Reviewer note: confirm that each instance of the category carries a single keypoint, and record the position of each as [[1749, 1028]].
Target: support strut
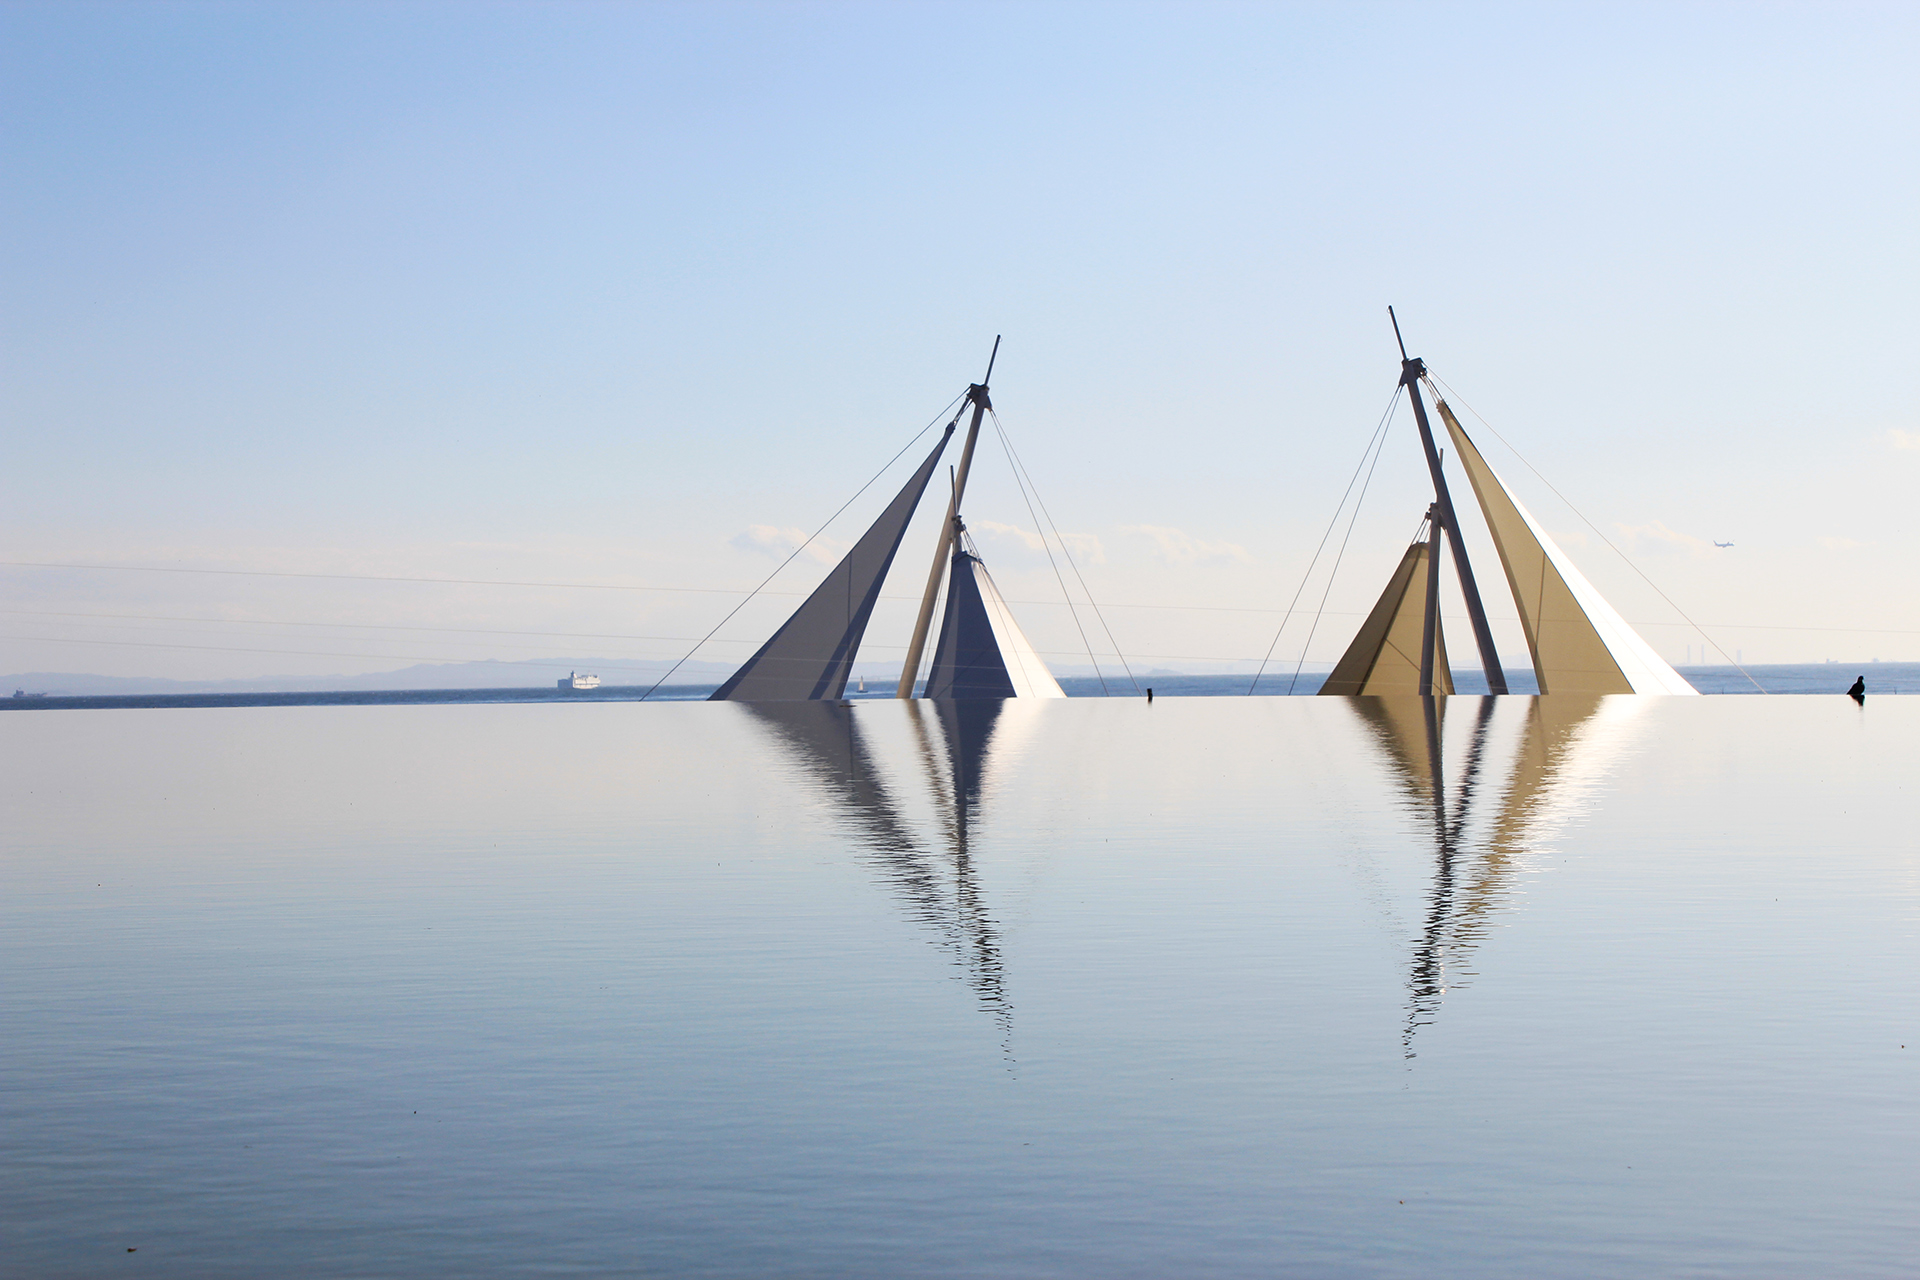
[[1411, 371], [910, 669]]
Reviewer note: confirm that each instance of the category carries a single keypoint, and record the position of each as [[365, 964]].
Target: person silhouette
[[1859, 691]]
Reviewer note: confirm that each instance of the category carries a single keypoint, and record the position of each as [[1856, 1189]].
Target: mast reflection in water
[[935, 880], [1564, 744]]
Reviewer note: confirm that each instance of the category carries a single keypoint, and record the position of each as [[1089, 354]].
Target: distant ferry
[[576, 681]]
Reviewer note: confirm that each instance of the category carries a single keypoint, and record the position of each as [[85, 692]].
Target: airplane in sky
[[1723, 544]]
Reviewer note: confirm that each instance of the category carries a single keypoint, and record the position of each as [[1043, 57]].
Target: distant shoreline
[[1883, 679]]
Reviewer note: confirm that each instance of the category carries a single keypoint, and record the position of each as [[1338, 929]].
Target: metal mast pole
[[977, 394], [1411, 371], [1430, 633]]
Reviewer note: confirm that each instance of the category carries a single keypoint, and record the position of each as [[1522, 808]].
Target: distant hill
[[490, 674]]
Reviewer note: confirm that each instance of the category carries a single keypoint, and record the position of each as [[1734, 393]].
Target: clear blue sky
[[592, 293]]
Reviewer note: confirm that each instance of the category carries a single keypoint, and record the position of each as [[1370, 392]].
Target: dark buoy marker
[[1859, 691], [1149, 693]]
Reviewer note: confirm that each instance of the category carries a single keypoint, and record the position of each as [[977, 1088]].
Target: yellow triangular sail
[[1578, 643], [1384, 657]]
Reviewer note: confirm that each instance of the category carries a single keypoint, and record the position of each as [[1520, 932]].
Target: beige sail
[[1384, 657], [1579, 644]]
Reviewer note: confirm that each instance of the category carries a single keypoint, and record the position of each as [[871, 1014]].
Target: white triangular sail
[[1579, 644], [1030, 676]]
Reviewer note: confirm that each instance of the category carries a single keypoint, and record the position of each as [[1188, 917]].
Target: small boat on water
[[574, 680]]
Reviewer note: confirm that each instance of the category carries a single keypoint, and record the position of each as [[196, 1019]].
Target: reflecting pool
[[1202, 987]]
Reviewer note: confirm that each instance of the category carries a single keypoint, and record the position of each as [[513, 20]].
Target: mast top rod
[[1396, 334], [988, 380]]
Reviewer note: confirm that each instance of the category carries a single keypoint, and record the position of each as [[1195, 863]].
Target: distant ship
[[575, 681]]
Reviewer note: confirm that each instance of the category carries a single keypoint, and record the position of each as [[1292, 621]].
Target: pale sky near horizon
[[623, 294]]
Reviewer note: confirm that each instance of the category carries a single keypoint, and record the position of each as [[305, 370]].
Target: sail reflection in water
[[1488, 780], [934, 878], [1483, 834]]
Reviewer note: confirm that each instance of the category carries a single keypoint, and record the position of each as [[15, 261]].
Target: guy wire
[[809, 542], [1020, 469], [1386, 421], [1338, 557]]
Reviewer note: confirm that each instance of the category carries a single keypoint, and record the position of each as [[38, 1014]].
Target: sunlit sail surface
[[1578, 642]]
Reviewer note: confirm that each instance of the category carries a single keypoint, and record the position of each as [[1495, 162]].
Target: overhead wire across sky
[[1041, 518], [27, 616]]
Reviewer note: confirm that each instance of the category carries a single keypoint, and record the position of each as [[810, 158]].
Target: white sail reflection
[[1493, 795]]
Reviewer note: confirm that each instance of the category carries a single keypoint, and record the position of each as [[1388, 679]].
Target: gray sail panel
[[812, 653]]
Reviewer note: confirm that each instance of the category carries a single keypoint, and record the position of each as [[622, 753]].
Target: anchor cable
[[809, 542], [1019, 471], [1377, 438], [1334, 572]]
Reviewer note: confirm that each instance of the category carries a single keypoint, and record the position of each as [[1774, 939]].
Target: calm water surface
[[1207, 987]]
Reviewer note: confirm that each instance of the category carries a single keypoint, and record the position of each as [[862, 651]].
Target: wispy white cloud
[[1831, 543], [1655, 536], [1907, 441], [1026, 537], [778, 544], [1177, 546], [1084, 547]]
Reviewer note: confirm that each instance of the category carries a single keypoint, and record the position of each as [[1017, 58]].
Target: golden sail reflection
[[1484, 835]]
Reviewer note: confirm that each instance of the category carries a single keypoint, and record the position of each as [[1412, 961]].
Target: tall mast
[[1411, 371], [1430, 631], [977, 394]]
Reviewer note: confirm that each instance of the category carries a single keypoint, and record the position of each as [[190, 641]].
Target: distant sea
[[1785, 678]]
